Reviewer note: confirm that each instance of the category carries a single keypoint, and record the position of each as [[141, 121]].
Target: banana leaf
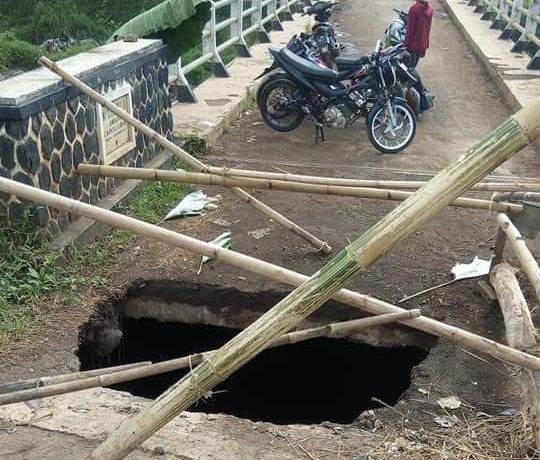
[[167, 15]]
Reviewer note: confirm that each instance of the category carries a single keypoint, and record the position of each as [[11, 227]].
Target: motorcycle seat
[[310, 68], [350, 63]]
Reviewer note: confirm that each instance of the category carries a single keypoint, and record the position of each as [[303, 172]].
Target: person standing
[[418, 29]]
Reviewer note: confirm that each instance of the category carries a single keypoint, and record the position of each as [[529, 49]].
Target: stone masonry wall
[[44, 149]]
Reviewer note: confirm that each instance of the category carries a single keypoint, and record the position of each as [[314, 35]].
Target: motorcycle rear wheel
[[274, 103]]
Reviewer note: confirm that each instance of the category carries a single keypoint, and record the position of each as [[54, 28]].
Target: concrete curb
[[222, 100], [506, 69], [84, 231]]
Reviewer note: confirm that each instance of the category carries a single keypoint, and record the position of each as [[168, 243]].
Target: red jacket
[[419, 26]]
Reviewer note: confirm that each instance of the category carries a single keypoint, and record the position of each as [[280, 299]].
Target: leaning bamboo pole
[[19, 385], [185, 156], [510, 186], [369, 304], [334, 330], [504, 142], [526, 259], [263, 184]]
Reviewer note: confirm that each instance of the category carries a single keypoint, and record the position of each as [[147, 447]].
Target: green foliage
[[156, 199], [61, 18], [17, 53], [28, 276], [32, 281]]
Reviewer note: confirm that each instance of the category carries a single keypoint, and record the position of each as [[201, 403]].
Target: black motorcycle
[[337, 99], [321, 45]]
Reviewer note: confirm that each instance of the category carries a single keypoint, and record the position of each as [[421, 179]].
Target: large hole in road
[[309, 382]]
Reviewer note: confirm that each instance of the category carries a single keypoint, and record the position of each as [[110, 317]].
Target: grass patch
[[32, 282], [155, 199]]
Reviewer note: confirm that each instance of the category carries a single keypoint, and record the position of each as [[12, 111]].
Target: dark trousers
[[415, 57]]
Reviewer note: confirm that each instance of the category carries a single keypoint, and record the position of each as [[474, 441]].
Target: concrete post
[[257, 17], [515, 15], [237, 28], [183, 92], [531, 27], [209, 45], [498, 22], [275, 23]]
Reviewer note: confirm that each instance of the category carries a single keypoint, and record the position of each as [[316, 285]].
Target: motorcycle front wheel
[[391, 136], [277, 104]]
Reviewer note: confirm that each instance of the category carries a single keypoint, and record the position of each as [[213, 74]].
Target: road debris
[[259, 233], [223, 241], [449, 402], [446, 421]]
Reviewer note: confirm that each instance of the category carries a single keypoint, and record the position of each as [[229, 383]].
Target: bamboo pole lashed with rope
[[263, 184], [113, 377], [505, 141], [500, 145], [184, 156], [369, 304]]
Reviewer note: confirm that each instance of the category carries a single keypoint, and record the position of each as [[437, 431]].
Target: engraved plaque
[[116, 137]]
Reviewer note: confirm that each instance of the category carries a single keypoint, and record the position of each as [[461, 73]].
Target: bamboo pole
[[262, 184], [514, 186], [334, 330], [520, 330], [184, 156], [369, 304], [516, 196], [10, 387], [504, 142], [526, 259]]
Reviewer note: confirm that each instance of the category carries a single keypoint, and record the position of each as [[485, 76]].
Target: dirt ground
[[467, 106]]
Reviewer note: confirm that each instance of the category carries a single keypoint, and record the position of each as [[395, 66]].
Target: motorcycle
[[409, 83], [338, 99], [322, 33], [397, 30]]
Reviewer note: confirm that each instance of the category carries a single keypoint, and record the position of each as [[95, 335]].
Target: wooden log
[[513, 186], [184, 156], [369, 304], [262, 184], [335, 330], [519, 246], [520, 333], [500, 244], [530, 385], [520, 330], [487, 154], [9, 387]]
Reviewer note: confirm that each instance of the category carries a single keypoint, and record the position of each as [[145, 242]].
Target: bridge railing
[[518, 20], [231, 21]]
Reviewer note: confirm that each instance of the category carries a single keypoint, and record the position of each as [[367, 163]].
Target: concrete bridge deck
[[468, 105]]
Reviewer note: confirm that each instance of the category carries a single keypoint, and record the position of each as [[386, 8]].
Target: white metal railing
[[519, 20], [257, 13]]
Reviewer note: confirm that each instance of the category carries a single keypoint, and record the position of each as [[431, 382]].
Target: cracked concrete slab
[[82, 419]]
